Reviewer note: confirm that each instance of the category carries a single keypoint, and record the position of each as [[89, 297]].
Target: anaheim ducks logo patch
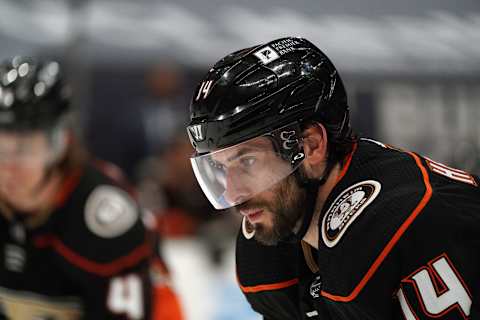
[[110, 211], [346, 208]]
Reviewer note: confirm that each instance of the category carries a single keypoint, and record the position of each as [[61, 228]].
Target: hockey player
[[72, 241], [334, 226]]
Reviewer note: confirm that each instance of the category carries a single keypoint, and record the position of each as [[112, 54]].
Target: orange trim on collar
[[68, 185], [347, 164]]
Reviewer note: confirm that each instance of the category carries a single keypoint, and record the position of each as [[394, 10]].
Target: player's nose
[[237, 190]]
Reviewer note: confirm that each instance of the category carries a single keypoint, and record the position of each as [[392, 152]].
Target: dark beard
[[288, 208]]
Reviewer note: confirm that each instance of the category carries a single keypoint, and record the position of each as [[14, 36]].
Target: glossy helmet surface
[[33, 94], [258, 89]]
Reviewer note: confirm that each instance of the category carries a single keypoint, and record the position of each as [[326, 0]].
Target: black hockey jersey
[[398, 239], [87, 258]]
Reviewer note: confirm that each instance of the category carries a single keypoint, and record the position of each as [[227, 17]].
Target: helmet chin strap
[[311, 186]]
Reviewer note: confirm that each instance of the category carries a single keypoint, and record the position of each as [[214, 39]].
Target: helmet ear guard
[[288, 143]]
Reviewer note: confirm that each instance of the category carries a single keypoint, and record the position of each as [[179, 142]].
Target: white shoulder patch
[[346, 208], [110, 211]]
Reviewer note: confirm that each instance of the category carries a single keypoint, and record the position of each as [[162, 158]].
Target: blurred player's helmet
[[33, 98], [33, 95], [269, 90]]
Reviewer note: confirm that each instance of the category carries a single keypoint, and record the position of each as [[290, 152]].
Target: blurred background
[[411, 68]]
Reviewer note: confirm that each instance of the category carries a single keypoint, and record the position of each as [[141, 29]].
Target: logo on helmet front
[[267, 55], [196, 131]]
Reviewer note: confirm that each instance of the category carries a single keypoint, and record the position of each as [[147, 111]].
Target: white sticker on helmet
[[267, 54], [110, 212]]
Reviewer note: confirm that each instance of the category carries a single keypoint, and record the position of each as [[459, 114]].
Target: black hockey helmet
[[255, 90], [269, 89], [33, 94]]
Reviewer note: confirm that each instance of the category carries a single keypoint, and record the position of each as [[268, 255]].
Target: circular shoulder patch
[[110, 211], [346, 208]]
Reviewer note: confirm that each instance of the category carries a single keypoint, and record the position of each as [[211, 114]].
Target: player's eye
[[248, 161], [217, 165]]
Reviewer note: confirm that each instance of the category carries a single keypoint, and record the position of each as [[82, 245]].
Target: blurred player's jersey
[[398, 239], [86, 258]]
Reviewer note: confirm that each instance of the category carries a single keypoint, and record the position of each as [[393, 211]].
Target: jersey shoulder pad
[[377, 199], [100, 221], [110, 211]]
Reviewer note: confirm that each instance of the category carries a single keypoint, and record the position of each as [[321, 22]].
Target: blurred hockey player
[[72, 241]]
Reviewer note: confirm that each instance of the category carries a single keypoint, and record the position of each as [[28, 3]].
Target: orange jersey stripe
[[67, 187], [269, 287], [100, 269], [347, 164]]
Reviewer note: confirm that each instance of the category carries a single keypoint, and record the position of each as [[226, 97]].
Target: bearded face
[[275, 213]]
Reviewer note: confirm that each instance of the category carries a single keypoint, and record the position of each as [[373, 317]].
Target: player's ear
[[315, 144]]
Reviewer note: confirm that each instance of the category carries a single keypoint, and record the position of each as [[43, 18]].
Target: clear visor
[[235, 174]]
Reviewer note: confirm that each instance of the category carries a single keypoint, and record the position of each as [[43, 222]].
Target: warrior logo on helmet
[[197, 132]]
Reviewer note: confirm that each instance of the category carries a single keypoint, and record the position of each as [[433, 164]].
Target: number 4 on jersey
[[439, 289], [125, 296]]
